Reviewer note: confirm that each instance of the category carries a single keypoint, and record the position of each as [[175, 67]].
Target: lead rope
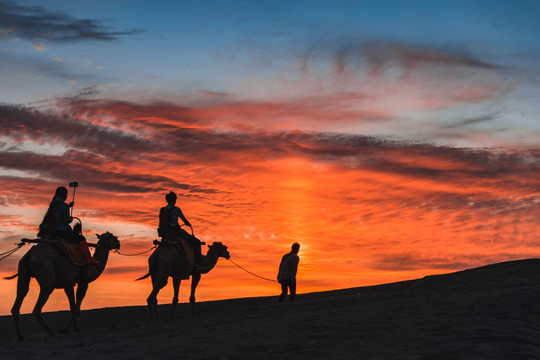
[[137, 254], [144, 252], [156, 243], [8, 253], [249, 272]]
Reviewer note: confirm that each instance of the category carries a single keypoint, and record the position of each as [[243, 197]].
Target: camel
[[54, 270], [165, 261]]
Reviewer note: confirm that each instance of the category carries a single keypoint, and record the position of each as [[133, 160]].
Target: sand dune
[[490, 312]]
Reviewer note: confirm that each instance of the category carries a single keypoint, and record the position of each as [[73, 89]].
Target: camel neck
[[102, 256], [211, 259]]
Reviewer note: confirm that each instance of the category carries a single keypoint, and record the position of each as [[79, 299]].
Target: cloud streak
[[37, 23], [97, 133]]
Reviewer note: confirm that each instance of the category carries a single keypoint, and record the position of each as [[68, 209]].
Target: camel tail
[[11, 277], [143, 277]]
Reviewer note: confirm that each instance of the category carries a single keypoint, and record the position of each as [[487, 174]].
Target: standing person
[[57, 222], [287, 273], [168, 225]]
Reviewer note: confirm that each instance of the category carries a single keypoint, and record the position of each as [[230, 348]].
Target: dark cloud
[[20, 123], [409, 261], [38, 24], [70, 166], [468, 122], [172, 135], [414, 56], [382, 55]]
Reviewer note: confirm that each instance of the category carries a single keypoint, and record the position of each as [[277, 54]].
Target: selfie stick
[[74, 185]]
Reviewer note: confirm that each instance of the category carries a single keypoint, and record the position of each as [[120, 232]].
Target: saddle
[[182, 246], [69, 249], [73, 251]]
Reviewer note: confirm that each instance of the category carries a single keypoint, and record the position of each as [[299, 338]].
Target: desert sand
[[491, 312]]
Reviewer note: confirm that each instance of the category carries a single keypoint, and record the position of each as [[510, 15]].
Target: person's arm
[[279, 270], [181, 216], [296, 260]]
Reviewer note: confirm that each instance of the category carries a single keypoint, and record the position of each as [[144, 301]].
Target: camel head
[[108, 241], [220, 249]]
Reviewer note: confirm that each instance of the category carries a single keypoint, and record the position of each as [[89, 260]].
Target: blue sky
[[142, 50]]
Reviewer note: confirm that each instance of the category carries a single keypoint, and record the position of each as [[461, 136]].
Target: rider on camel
[[168, 225], [58, 215]]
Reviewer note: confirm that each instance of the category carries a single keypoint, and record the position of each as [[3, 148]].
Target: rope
[[137, 254], [8, 253], [249, 272]]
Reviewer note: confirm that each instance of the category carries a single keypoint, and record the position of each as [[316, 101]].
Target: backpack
[[165, 217], [48, 224]]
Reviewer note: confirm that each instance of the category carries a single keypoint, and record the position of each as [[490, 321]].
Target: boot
[[83, 245]]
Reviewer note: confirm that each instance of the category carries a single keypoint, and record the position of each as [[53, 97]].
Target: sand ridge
[[485, 313]]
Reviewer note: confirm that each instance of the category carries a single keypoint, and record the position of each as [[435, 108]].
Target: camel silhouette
[[166, 261], [53, 270]]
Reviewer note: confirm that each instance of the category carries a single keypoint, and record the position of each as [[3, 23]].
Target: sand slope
[[492, 312]]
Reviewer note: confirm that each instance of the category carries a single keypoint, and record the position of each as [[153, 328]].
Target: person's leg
[[292, 287], [195, 243], [197, 248], [83, 245], [284, 285]]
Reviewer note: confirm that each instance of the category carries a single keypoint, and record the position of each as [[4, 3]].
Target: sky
[[391, 139]]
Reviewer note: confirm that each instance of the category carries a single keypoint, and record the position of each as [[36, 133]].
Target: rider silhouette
[[168, 225], [57, 223]]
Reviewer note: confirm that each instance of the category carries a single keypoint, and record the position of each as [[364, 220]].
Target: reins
[[249, 272]]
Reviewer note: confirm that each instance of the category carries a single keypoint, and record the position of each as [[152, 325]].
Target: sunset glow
[[386, 155]]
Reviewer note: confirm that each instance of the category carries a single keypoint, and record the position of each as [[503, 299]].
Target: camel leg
[[44, 293], [195, 278], [75, 305], [152, 303], [82, 288], [152, 298], [176, 287], [23, 285], [71, 297]]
